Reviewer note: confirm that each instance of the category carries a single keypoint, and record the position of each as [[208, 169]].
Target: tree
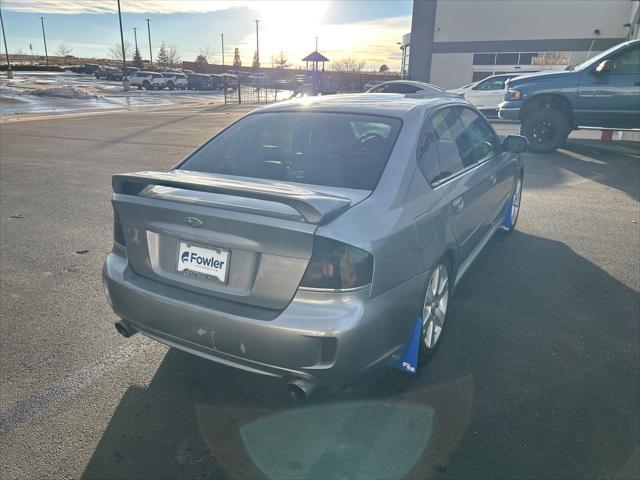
[[281, 60], [236, 58], [162, 58], [137, 59], [63, 50], [256, 62], [201, 60], [383, 68], [173, 57], [115, 52], [206, 53], [347, 65]]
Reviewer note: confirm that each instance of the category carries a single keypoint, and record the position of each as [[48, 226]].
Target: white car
[[486, 94], [406, 87], [175, 80], [147, 80]]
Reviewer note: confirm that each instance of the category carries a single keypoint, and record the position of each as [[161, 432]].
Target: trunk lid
[[263, 230]]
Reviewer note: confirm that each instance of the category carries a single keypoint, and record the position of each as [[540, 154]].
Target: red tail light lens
[[337, 266]]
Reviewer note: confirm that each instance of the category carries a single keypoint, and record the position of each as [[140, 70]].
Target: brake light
[[337, 266], [118, 233]]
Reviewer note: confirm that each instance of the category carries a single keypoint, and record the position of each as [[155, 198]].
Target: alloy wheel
[[434, 310], [543, 131]]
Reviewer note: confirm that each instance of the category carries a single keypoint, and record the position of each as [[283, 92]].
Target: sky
[[365, 30]]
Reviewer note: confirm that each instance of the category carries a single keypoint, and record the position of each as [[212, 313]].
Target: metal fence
[[254, 90]]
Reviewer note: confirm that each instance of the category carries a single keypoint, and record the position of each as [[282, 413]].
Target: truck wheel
[[170, 85], [545, 129], [146, 85]]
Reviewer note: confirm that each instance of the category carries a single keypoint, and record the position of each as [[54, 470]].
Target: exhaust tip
[[300, 388], [125, 329]]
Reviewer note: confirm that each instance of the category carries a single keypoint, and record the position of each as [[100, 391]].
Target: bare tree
[[173, 57], [281, 60], [115, 52], [347, 65], [63, 50], [206, 53]]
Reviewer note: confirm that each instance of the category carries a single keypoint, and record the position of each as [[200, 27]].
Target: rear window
[[333, 149]]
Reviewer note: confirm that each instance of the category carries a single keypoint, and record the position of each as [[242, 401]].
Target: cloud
[[131, 6]]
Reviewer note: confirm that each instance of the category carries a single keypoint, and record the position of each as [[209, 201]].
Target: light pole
[[149, 32], [257, 46], [46, 55], [222, 39], [125, 80], [135, 37], [6, 50]]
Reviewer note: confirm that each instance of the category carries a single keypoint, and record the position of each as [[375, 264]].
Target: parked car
[[369, 85], [486, 94], [230, 82], [217, 81], [603, 92], [258, 79], [199, 81], [311, 238], [89, 68], [408, 87], [129, 71], [147, 80], [175, 80], [109, 73]]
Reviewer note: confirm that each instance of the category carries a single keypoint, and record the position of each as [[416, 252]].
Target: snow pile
[[65, 91]]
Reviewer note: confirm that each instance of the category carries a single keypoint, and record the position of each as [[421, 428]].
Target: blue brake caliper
[[408, 362]]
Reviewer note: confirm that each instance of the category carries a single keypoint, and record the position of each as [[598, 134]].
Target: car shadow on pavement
[[613, 164], [537, 376]]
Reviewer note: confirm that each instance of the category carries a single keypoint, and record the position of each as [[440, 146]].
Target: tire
[[146, 85], [434, 310], [546, 130], [139, 87], [513, 208], [170, 85]]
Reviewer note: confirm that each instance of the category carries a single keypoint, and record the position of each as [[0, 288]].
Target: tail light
[[118, 234], [337, 266]]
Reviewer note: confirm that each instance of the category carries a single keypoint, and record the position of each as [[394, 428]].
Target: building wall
[[447, 33]]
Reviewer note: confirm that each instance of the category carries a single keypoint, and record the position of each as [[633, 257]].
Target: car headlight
[[512, 94]]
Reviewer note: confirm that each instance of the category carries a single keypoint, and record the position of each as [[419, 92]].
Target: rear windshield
[[333, 149]]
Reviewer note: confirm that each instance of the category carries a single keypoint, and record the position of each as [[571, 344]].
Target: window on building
[[506, 59], [526, 58], [477, 76], [484, 59]]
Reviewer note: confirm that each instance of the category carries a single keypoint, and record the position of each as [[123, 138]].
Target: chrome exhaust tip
[[300, 388], [125, 329]]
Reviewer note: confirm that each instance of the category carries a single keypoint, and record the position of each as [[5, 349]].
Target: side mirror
[[514, 143], [604, 66]]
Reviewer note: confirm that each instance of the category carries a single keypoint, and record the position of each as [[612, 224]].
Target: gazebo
[[315, 57]]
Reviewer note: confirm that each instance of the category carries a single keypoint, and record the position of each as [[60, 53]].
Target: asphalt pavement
[[538, 375]]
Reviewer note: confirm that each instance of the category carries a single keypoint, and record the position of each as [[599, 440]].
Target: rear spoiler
[[315, 207]]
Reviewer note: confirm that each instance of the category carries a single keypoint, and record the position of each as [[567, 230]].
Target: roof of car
[[415, 83], [389, 104]]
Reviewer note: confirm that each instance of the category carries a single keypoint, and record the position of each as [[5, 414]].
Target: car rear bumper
[[324, 337]]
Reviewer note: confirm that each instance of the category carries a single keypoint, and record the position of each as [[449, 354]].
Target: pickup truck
[[602, 92]]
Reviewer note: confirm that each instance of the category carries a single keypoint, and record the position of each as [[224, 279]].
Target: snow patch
[[65, 91]]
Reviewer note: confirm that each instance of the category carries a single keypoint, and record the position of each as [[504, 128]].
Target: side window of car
[[427, 155], [451, 141], [627, 62], [482, 139], [401, 88]]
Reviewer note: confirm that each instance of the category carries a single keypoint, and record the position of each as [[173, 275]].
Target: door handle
[[458, 205], [493, 179]]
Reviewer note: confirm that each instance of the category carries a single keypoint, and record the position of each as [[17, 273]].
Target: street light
[[257, 46], [125, 80], [6, 50], [149, 32], [135, 37], [46, 55], [222, 39]]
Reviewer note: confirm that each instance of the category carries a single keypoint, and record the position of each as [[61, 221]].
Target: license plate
[[208, 262]]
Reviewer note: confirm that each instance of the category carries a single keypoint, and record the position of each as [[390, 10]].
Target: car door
[[611, 98], [466, 175], [487, 94]]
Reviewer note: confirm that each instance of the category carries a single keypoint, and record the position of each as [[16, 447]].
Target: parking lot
[[537, 375]]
